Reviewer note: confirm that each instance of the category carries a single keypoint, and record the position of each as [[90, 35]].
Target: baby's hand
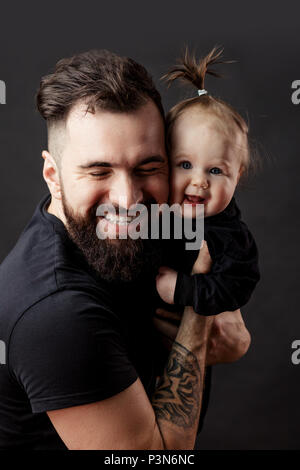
[[165, 284]]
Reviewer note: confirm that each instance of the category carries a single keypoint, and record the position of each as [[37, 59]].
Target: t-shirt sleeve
[[69, 350], [229, 284]]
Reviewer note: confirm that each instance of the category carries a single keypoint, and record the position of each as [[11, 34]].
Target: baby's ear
[[241, 171]]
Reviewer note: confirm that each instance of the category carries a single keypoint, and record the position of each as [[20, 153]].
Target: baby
[[209, 152]]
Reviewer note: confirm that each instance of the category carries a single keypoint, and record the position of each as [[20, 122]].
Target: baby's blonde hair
[[193, 71]]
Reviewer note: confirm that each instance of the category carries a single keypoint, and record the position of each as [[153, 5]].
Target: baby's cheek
[[176, 189], [226, 191]]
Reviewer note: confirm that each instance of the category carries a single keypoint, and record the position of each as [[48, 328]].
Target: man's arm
[[129, 421], [70, 357]]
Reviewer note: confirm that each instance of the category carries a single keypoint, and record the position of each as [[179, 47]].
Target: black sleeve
[[68, 350], [230, 283]]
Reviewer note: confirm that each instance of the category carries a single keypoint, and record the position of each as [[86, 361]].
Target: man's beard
[[119, 260]]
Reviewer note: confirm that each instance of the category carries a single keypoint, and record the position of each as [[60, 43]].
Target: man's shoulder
[[61, 319], [44, 265], [63, 308]]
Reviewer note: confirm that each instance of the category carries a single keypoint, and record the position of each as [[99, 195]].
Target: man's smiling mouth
[[116, 224], [119, 219]]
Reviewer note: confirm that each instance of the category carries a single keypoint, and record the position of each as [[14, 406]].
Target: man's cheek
[[160, 189], [89, 196]]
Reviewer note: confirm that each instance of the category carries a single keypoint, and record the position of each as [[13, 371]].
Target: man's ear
[[51, 175]]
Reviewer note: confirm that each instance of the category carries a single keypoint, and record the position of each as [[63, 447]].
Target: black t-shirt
[[234, 273], [71, 338]]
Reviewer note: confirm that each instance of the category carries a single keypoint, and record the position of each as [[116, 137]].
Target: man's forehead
[[97, 137], [79, 114], [142, 123]]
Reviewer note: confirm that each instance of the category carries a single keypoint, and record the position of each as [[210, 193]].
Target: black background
[[254, 402]]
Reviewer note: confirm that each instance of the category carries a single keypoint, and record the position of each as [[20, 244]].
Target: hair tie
[[202, 92]]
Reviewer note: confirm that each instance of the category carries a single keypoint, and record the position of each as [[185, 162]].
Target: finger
[[203, 261], [167, 343], [168, 315], [165, 328], [163, 269]]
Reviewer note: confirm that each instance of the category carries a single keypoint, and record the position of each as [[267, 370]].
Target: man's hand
[[229, 338], [165, 284]]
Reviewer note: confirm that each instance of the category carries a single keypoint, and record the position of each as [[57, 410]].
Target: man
[[76, 310]]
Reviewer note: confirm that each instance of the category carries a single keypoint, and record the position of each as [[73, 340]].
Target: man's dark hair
[[102, 79]]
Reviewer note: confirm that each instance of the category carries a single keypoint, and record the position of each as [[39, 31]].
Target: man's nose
[[200, 180], [124, 192]]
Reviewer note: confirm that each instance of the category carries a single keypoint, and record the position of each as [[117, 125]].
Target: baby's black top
[[234, 273]]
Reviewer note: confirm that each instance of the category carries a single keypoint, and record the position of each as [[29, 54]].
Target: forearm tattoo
[[178, 393]]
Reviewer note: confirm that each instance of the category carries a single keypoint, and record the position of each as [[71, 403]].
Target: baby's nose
[[200, 182]]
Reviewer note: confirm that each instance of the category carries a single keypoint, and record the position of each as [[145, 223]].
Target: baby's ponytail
[[190, 70]]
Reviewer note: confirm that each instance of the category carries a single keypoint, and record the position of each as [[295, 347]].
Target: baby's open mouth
[[193, 199]]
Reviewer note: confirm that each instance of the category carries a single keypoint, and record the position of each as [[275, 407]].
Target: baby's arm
[[231, 281], [227, 287], [229, 339], [167, 278]]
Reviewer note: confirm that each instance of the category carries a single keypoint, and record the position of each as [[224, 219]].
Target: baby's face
[[205, 164]]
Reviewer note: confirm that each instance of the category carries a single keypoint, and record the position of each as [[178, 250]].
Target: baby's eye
[[216, 171], [186, 165]]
